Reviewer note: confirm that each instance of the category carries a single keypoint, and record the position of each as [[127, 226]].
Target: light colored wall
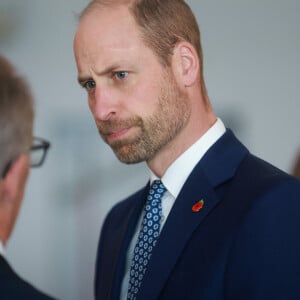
[[252, 72]]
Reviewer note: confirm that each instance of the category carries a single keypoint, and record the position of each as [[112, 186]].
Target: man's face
[[136, 103]]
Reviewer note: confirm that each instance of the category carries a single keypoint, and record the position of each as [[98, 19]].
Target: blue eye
[[89, 85], [121, 74]]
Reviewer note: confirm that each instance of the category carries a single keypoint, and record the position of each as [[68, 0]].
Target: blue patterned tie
[[147, 238]]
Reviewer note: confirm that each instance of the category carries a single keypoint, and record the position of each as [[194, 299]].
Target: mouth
[[117, 134]]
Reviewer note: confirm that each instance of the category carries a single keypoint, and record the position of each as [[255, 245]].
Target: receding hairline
[[100, 4]]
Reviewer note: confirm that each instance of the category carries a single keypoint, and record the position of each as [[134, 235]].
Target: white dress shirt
[[1, 248], [173, 179]]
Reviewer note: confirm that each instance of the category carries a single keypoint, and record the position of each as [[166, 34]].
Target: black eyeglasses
[[37, 151]]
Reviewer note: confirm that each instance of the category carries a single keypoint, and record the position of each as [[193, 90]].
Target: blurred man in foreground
[[16, 145]]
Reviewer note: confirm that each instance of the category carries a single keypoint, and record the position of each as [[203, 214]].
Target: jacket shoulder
[[12, 286]]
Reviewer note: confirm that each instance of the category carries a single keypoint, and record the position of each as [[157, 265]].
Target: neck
[[186, 138]]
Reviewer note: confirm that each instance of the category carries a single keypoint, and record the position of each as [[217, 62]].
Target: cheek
[[144, 97], [91, 104]]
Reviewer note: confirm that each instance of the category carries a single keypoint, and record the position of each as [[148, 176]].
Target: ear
[[186, 62], [12, 189], [15, 179]]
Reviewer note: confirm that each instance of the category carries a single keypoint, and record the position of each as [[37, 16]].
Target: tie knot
[[157, 190]]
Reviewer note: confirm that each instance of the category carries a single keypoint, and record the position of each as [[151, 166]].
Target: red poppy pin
[[198, 206]]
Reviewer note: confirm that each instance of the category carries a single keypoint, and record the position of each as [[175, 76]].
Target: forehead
[[112, 27], [108, 39]]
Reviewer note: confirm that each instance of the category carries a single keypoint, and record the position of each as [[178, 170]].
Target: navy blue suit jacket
[[12, 287], [244, 244]]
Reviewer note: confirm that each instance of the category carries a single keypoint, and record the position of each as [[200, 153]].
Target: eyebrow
[[83, 79]]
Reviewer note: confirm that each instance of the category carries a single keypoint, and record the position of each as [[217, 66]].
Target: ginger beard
[[155, 131]]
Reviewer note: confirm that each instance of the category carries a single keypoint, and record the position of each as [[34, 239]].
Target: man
[[219, 223], [16, 126]]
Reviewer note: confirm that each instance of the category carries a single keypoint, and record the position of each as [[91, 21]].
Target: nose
[[102, 105]]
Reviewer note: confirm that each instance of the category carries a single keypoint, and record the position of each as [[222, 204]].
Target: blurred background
[[251, 61]]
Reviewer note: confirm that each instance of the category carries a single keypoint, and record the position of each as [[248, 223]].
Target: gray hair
[[16, 114]]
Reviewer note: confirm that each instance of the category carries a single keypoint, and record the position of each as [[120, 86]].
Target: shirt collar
[[2, 251], [177, 173]]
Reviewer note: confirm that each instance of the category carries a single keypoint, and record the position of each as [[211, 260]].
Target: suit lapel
[[124, 235], [4, 266], [217, 166]]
